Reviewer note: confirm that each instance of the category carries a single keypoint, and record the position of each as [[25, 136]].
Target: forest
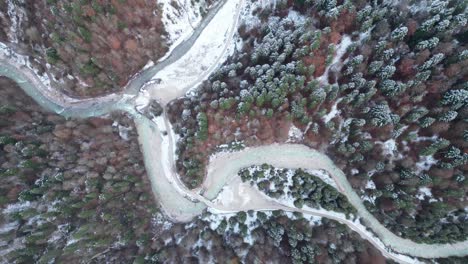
[[380, 87], [77, 191]]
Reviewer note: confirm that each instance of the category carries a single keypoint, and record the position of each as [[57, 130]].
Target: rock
[[62, 133], [99, 122]]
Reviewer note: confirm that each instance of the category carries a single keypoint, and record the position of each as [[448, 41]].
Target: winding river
[[157, 141]]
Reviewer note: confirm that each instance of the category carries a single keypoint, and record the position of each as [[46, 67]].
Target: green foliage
[[52, 55], [90, 69], [202, 120]]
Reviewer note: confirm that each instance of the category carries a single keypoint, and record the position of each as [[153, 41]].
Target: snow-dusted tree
[[430, 150], [463, 55], [387, 72], [448, 116], [442, 25], [429, 24], [416, 114], [392, 88], [434, 60], [214, 104], [317, 97], [398, 130], [426, 122], [375, 66], [202, 120], [399, 33], [232, 73], [422, 76], [428, 44], [381, 115], [388, 54], [455, 98]]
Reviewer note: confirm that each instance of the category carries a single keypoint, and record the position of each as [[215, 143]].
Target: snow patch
[[337, 62], [215, 43], [295, 134], [123, 130], [424, 192], [370, 185], [16, 15], [14, 208], [425, 163], [389, 147], [333, 113]]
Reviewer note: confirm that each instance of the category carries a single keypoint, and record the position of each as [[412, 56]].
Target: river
[[158, 148]]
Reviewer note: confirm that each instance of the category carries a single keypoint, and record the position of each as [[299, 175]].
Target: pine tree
[[426, 122], [381, 115], [416, 114], [434, 60], [387, 72], [427, 44], [455, 98], [448, 116], [399, 33]]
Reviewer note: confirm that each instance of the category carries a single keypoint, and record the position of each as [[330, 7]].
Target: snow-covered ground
[[389, 147], [425, 163], [333, 112], [295, 134], [337, 60], [211, 49], [16, 16], [180, 20]]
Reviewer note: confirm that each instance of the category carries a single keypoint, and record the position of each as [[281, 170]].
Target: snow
[[247, 17], [142, 100], [230, 147], [226, 196], [20, 61], [58, 234], [296, 17], [419, 139], [340, 51], [71, 241], [424, 192], [8, 227], [370, 185], [295, 134], [389, 147], [123, 130], [180, 22], [368, 198], [425, 163], [16, 16], [213, 46], [333, 113], [148, 65], [214, 219], [13, 208]]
